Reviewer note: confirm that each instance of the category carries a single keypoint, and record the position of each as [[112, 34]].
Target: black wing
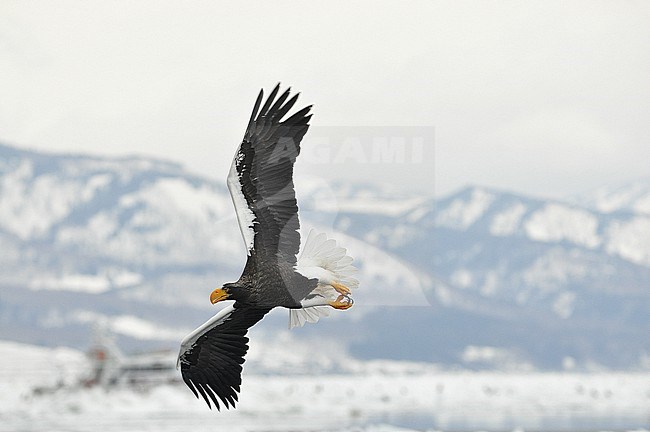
[[261, 177], [211, 357]]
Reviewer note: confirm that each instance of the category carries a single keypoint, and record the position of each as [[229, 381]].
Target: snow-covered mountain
[[480, 278], [633, 197]]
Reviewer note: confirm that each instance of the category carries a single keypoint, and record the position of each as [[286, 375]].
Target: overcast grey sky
[[546, 98]]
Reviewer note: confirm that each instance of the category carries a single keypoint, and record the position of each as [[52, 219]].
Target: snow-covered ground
[[385, 398]]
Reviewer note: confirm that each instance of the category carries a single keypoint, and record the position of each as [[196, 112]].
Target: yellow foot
[[341, 289], [343, 302]]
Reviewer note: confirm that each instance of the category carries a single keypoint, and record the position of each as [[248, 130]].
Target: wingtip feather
[[265, 108], [258, 102]]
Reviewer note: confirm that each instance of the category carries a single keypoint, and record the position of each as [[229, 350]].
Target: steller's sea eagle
[[261, 186]]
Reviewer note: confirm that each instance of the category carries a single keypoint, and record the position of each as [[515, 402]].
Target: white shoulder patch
[[188, 341], [245, 216]]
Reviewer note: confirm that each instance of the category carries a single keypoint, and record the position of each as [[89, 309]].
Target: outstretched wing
[[211, 357], [260, 178]]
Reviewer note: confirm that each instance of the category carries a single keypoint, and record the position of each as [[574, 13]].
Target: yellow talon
[[343, 302], [341, 289]]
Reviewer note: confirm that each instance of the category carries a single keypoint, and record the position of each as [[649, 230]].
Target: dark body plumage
[[261, 185]]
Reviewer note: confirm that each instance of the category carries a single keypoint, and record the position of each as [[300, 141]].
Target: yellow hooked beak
[[218, 295]]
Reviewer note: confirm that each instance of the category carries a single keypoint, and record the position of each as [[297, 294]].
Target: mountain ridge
[[114, 238]]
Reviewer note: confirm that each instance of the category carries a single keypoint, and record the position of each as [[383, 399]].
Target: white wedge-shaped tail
[[321, 258]]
